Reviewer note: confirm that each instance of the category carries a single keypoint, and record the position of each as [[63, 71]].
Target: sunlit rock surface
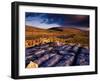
[[32, 65]]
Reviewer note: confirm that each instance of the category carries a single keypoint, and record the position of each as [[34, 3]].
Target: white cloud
[[40, 22], [41, 25]]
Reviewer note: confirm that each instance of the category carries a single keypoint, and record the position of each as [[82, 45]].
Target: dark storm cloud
[[57, 19]]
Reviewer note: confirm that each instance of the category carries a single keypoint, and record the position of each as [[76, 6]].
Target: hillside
[[36, 36]]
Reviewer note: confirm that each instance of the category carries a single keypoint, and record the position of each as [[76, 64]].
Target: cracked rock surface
[[53, 55]]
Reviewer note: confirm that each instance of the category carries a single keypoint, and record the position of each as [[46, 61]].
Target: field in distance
[[37, 36]]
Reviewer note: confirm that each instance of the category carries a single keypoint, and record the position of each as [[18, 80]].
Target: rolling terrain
[[35, 36]]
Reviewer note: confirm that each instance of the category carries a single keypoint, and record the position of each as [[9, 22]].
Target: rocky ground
[[52, 55]]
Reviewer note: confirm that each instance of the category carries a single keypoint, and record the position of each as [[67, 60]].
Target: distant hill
[[70, 29], [64, 30], [32, 28], [76, 29], [56, 29]]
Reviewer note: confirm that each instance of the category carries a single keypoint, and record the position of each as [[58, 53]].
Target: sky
[[48, 20]]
